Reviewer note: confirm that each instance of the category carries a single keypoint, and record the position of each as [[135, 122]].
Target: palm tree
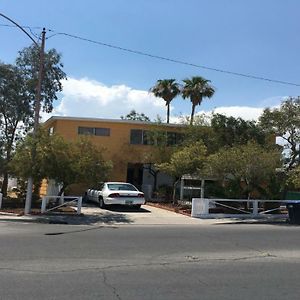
[[196, 89], [167, 89]]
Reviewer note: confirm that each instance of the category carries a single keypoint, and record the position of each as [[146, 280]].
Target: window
[[171, 138], [51, 130], [174, 138], [136, 136], [121, 187], [94, 131], [86, 130], [102, 131], [147, 137]]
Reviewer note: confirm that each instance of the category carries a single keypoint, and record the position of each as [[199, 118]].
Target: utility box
[[200, 207]]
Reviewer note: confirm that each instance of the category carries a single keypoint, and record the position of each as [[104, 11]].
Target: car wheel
[[138, 206], [101, 202]]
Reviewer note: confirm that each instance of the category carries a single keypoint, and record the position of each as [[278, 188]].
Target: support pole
[[202, 188], [79, 204], [36, 120], [255, 208]]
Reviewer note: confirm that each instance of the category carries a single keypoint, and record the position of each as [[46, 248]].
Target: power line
[[174, 60], [27, 27], [162, 57]]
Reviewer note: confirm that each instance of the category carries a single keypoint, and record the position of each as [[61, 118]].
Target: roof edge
[[54, 118]]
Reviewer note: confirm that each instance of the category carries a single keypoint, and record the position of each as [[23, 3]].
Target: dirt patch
[[177, 208]]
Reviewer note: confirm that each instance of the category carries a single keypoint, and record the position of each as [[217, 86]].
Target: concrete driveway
[[147, 215]]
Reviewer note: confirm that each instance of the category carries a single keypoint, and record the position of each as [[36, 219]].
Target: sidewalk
[[147, 215]]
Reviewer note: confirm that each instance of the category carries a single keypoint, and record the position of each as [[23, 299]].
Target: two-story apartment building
[[128, 144]]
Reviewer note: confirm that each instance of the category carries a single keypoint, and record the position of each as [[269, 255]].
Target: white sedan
[[108, 193]]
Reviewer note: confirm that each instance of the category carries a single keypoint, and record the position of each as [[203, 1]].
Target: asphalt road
[[198, 261]]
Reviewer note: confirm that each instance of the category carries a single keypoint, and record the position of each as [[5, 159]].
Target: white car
[[123, 193]]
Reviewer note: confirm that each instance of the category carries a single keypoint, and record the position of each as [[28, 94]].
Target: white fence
[[201, 206], [62, 202]]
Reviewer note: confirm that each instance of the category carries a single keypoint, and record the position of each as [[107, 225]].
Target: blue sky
[[259, 38]]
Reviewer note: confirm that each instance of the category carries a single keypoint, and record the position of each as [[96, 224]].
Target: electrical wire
[[55, 33], [173, 60], [27, 27]]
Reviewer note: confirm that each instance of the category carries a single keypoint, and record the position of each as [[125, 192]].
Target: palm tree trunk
[[192, 114], [168, 113]]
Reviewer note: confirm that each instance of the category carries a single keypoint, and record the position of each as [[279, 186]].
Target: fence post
[[79, 204], [61, 199], [1, 196], [255, 208], [44, 203]]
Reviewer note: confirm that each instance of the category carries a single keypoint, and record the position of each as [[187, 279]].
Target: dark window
[[136, 136], [161, 138], [174, 138], [94, 131], [148, 137], [179, 138], [86, 130], [171, 138], [102, 131]]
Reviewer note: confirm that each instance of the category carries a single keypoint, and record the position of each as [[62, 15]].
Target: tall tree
[[196, 89], [15, 114], [28, 63], [284, 122], [167, 89], [231, 131], [17, 95], [250, 167]]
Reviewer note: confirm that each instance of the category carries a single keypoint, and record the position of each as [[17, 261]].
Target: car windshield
[[121, 187]]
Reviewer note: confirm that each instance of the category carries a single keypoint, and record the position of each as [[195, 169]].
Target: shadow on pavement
[[117, 208], [278, 222], [87, 219]]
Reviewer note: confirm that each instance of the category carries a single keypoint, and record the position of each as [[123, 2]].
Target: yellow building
[[128, 144]]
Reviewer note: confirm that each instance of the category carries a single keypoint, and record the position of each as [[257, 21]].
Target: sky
[[258, 37]]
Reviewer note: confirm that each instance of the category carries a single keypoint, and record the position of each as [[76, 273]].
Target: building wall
[[117, 147]]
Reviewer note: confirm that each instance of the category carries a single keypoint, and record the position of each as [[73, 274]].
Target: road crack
[[186, 260], [110, 286]]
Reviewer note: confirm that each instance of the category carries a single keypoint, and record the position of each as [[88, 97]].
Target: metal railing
[[201, 208], [62, 202]]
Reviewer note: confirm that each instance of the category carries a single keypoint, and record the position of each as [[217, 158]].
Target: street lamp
[[37, 101]]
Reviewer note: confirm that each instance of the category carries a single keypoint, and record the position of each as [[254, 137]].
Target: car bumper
[[124, 201]]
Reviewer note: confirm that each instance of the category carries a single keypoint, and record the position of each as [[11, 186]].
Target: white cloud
[[244, 112], [89, 98]]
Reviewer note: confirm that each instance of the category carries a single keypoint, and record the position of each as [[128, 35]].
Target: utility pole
[[36, 118], [37, 101]]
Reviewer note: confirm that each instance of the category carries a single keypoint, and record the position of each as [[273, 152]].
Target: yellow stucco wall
[[117, 146]]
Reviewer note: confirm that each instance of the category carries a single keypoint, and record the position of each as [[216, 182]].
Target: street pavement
[[147, 254], [166, 261]]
